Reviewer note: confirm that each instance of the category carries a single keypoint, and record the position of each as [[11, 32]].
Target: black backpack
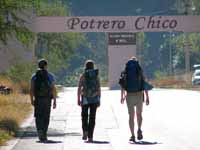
[[42, 84]]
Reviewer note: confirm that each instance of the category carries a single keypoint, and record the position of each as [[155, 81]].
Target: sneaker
[[139, 135], [85, 134], [132, 139]]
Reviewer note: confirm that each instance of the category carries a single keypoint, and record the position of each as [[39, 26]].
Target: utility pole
[[170, 53], [138, 47], [187, 54], [188, 8], [170, 37]]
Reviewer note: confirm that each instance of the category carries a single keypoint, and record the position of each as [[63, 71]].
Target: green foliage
[[20, 73], [9, 125], [160, 75], [95, 49], [179, 48], [196, 5], [98, 51], [55, 8], [4, 136], [57, 48], [12, 22], [72, 78]]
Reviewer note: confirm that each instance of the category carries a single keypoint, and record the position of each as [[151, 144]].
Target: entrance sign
[[121, 29], [117, 24], [122, 38], [121, 46]]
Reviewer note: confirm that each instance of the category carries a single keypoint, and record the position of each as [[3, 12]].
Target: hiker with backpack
[[88, 97], [132, 90], [42, 91]]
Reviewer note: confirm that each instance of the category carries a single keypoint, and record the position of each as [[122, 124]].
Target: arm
[[99, 92], [147, 97], [99, 88], [54, 95], [32, 93], [79, 91], [123, 96]]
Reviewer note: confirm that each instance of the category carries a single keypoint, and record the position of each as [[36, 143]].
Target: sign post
[[121, 46]]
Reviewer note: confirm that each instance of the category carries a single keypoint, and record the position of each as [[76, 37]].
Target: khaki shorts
[[134, 99]]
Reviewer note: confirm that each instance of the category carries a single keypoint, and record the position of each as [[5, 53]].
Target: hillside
[[119, 7]]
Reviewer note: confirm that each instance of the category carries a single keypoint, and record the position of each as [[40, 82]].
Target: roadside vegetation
[[176, 81], [14, 108]]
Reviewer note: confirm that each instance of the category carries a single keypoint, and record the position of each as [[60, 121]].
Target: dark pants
[[42, 116], [88, 123]]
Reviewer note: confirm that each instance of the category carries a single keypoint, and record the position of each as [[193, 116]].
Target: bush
[[14, 108], [5, 81], [160, 75], [20, 73], [4, 136], [10, 125]]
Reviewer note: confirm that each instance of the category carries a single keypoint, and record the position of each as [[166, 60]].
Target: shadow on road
[[31, 132], [98, 142], [145, 143], [73, 134], [50, 142]]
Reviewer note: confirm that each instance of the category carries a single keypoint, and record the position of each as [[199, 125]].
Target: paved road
[[171, 122]]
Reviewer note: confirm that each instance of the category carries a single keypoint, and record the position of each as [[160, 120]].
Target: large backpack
[[42, 84], [134, 77], [91, 83]]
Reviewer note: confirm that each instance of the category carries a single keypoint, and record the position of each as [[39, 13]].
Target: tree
[[12, 22], [57, 48], [194, 42], [196, 3], [194, 38]]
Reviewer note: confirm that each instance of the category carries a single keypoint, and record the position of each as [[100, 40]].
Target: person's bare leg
[[131, 122], [139, 121]]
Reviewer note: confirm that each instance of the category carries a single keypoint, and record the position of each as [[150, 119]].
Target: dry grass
[[14, 109], [179, 81], [7, 82], [170, 83]]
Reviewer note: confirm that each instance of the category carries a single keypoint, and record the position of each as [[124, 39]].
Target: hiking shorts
[[134, 100]]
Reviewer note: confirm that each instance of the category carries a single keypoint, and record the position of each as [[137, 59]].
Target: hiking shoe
[[132, 139], [90, 140], [85, 135], [139, 135], [44, 140], [40, 135]]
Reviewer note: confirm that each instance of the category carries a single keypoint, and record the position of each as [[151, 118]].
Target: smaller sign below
[[122, 38]]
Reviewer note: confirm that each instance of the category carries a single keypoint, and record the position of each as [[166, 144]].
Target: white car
[[196, 66], [196, 77]]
